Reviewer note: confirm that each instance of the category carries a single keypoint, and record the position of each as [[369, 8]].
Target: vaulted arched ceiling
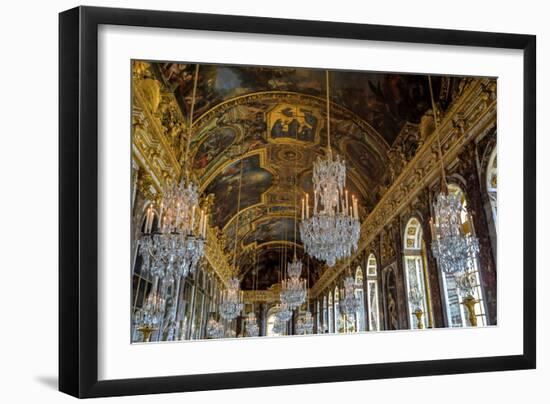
[[271, 123]]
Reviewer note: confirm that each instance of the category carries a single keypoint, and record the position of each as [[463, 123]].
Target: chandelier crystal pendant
[[231, 303], [349, 303], [332, 231], [454, 250]]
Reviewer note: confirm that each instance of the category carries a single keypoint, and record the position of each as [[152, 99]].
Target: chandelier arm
[[439, 150], [328, 112], [295, 195]]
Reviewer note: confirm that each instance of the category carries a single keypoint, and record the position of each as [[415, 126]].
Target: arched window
[[318, 316], [492, 184], [416, 279], [325, 327], [330, 313], [457, 313], [360, 314], [372, 291], [338, 320]]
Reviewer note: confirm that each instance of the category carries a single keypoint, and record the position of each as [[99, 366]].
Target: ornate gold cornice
[[216, 257], [149, 137], [473, 113]]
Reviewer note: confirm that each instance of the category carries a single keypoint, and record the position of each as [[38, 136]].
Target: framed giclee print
[[250, 202]]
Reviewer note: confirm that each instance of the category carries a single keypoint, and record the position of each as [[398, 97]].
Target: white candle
[[302, 208], [347, 200], [147, 219], [151, 218], [307, 206], [356, 211]]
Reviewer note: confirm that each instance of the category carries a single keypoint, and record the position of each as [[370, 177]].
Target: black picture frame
[[78, 201]]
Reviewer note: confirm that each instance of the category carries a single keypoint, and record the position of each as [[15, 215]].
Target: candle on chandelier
[[164, 224], [302, 208], [355, 210], [201, 221], [347, 200], [307, 206], [147, 220], [432, 228]]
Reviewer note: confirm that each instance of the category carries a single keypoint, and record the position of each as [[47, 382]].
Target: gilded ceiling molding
[[148, 132], [216, 257], [378, 145], [271, 295], [473, 114], [261, 152]]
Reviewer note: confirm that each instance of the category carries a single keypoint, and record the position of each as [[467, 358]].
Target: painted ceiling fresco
[[225, 188], [385, 100], [274, 120]]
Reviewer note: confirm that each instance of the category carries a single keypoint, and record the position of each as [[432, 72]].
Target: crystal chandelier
[[454, 250], [416, 297], [466, 283], [293, 290], [174, 251], [304, 324], [148, 318], [214, 329], [349, 303], [332, 231], [283, 312], [251, 326], [278, 326], [231, 304]]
